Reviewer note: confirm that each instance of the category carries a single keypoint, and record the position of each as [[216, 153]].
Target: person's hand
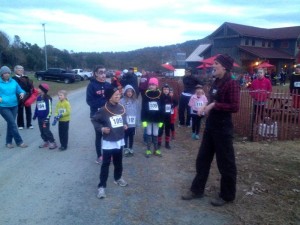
[[34, 117], [125, 127], [105, 130], [209, 107], [21, 95], [201, 111]]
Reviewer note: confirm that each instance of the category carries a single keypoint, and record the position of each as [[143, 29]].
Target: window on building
[[247, 41], [284, 44], [263, 44], [253, 42], [269, 44]]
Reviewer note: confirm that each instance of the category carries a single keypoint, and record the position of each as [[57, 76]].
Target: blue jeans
[[10, 114]]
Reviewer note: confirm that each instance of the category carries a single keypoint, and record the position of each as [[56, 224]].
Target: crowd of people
[[116, 112]]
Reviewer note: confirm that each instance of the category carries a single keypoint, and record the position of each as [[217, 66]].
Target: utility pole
[[46, 63]]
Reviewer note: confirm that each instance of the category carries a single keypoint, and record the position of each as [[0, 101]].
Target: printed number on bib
[[168, 108], [198, 104], [297, 84], [41, 106], [62, 111], [131, 120], [116, 121], [153, 106]]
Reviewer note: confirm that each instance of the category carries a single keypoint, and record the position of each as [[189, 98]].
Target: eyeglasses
[[101, 71]]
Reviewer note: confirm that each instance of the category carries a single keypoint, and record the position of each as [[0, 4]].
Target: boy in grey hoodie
[[130, 102]]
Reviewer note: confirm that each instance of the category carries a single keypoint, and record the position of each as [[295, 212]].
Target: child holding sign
[[130, 102], [111, 121], [197, 101]]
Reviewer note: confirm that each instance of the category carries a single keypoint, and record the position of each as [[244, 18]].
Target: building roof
[[269, 53], [195, 55], [272, 33]]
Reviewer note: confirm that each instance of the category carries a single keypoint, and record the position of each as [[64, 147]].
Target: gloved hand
[[160, 125], [144, 124], [56, 118]]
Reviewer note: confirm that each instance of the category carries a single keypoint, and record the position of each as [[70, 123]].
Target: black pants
[[20, 117], [128, 138], [63, 132], [184, 108], [219, 143], [98, 143], [46, 133], [167, 127], [196, 123], [117, 156]]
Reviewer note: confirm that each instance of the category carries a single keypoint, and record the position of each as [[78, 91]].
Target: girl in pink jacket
[[197, 101]]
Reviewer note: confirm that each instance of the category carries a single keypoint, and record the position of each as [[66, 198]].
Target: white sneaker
[[21, 128], [101, 193], [121, 182]]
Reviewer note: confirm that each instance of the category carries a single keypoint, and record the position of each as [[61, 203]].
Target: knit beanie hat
[[44, 87], [153, 80], [4, 69], [226, 61], [109, 92]]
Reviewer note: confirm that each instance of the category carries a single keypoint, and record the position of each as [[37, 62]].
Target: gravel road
[[41, 186]]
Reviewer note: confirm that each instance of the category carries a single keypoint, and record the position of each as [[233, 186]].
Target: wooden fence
[[277, 121]]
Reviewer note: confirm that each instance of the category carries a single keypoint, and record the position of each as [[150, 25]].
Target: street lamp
[[46, 63]]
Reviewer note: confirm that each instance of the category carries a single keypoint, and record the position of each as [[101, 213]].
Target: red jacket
[[260, 89]]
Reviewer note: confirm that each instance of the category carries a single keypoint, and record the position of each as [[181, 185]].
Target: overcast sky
[[124, 25]]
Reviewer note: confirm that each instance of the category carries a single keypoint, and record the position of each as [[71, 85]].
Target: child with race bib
[[43, 112], [62, 114], [197, 101], [130, 102], [111, 121], [152, 115]]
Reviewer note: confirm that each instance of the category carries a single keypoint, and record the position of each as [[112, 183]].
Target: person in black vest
[[27, 85], [189, 86]]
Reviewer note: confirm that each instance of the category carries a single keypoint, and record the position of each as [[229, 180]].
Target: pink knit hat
[[153, 80]]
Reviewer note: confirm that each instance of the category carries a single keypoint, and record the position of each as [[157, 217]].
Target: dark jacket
[[131, 79], [43, 108], [26, 84], [150, 102], [95, 97], [166, 102], [190, 82], [106, 116]]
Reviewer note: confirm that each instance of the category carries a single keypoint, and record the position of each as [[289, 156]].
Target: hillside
[[150, 57]]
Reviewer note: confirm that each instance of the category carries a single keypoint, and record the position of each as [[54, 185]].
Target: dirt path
[[39, 186]]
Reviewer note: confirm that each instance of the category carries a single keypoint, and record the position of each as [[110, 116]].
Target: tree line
[[32, 57]]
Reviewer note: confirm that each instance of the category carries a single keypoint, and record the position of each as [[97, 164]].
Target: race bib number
[[61, 111], [198, 104], [41, 106], [168, 108], [297, 84], [153, 106], [116, 121], [131, 120]]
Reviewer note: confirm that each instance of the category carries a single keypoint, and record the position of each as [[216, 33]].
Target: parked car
[[85, 75], [58, 74]]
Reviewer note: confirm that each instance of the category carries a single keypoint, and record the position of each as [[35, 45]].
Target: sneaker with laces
[[121, 182], [148, 153], [23, 145], [131, 151], [10, 146], [158, 153], [189, 195], [30, 127], [126, 152], [44, 145], [101, 193], [52, 145]]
